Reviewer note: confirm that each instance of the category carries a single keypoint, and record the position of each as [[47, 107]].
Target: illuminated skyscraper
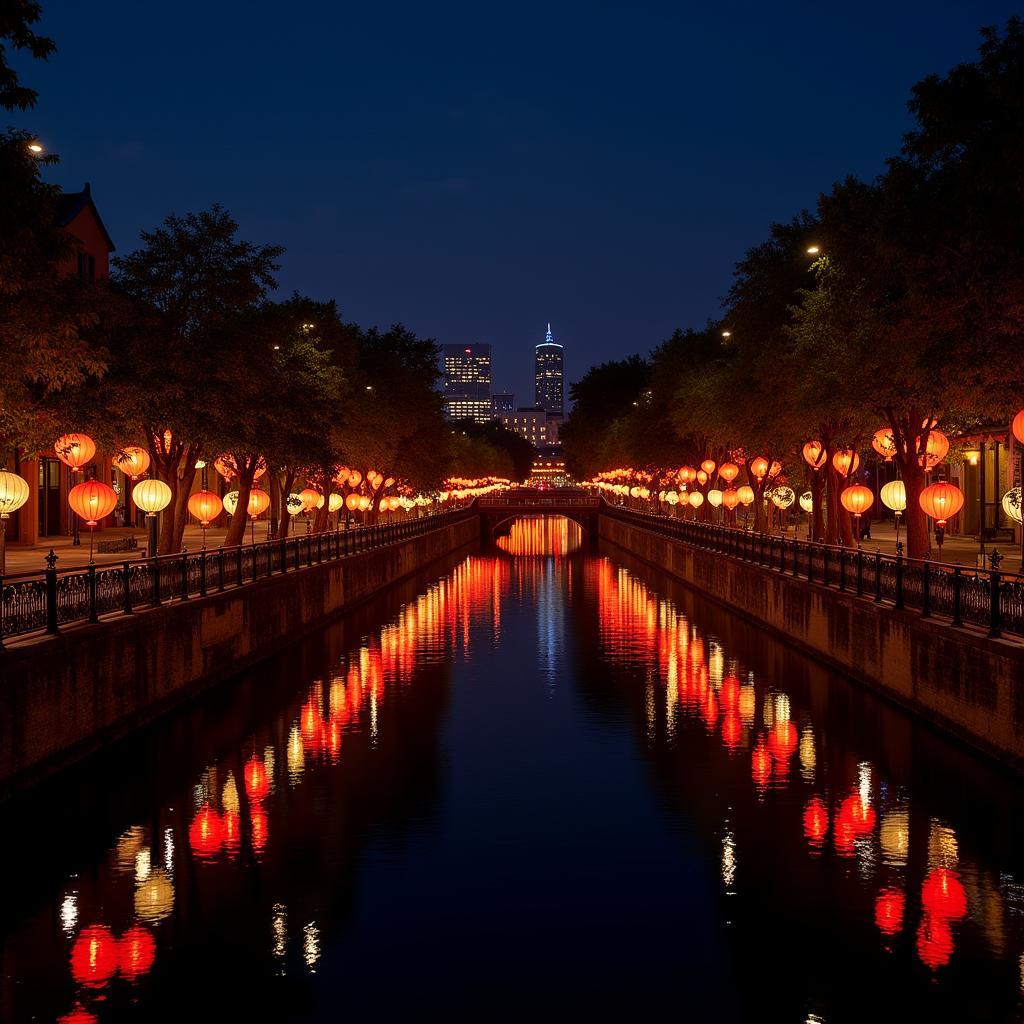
[[467, 382], [548, 369]]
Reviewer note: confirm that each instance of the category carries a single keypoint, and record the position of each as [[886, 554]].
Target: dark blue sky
[[475, 170]]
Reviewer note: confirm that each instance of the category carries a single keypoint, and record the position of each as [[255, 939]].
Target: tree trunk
[[186, 477], [817, 486], [239, 521], [918, 541], [286, 489]]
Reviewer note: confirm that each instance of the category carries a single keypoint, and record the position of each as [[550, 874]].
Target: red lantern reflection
[[257, 783], [934, 941], [730, 695], [943, 896], [232, 831], [206, 833], [760, 764], [815, 822], [782, 741], [94, 956], [136, 952], [889, 908], [732, 731], [77, 1016], [258, 820]]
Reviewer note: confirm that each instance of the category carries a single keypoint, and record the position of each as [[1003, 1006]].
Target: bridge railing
[[545, 501], [44, 602], [987, 598]]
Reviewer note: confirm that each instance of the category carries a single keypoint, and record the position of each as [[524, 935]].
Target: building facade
[[467, 382], [502, 402], [549, 372], [531, 423]]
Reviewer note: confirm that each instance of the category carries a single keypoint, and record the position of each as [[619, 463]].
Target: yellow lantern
[[714, 497], [335, 502], [231, 502], [1012, 504], [894, 496], [13, 493], [696, 499], [151, 496], [745, 494], [133, 461], [807, 502]]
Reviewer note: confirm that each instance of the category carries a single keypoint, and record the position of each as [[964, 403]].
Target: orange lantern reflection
[[136, 952], [934, 941], [815, 822], [257, 782], [94, 956], [206, 833], [889, 907]]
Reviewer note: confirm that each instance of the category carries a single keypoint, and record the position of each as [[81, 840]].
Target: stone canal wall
[[65, 695], [957, 678]]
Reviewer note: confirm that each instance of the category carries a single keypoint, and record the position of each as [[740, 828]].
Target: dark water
[[533, 786]]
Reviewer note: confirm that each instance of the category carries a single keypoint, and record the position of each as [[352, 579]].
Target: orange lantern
[[132, 460], [687, 474], [702, 477], [941, 501], [759, 467], [364, 502], [75, 450], [309, 497], [355, 478], [92, 500], [205, 506], [352, 502], [884, 443], [225, 465], [259, 502], [708, 465], [815, 455], [857, 499], [746, 494], [943, 895], [94, 956], [728, 471], [730, 499], [341, 477], [846, 462], [775, 469], [1018, 426], [935, 448], [136, 952]]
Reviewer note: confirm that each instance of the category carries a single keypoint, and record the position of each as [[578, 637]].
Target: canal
[[542, 781]]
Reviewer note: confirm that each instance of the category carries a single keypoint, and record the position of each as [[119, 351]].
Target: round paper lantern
[[746, 494], [943, 894], [75, 450], [321, 501], [355, 478], [728, 471], [334, 502], [759, 467], [294, 505], [857, 499], [783, 497], [884, 443], [13, 493], [1017, 426], [807, 502], [715, 497], [92, 501], [94, 956], [206, 833], [672, 497], [846, 462], [815, 455], [708, 465], [1011, 503], [942, 501], [702, 477], [205, 506], [696, 499], [132, 460], [730, 498], [352, 502], [78, 1015], [225, 465], [151, 496], [309, 498], [230, 501], [259, 502], [935, 449], [364, 502], [393, 503], [894, 496]]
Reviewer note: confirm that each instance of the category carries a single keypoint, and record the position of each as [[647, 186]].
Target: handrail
[[33, 602], [987, 598]]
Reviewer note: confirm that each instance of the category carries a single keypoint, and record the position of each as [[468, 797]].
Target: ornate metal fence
[[988, 598], [47, 601]]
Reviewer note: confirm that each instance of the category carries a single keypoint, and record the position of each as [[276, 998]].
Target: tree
[[509, 450], [16, 21]]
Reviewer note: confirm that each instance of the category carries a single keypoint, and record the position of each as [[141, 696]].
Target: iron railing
[[988, 598], [47, 601]]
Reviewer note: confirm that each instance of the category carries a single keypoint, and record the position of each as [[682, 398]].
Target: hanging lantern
[[672, 497], [393, 503], [709, 466], [696, 499], [702, 477], [151, 496], [884, 443], [759, 467], [205, 506], [342, 475], [75, 450], [846, 462], [309, 498], [728, 471], [935, 449], [259, 502], [335, 502], [92, 501], [746, 494], [807, 502], [364, 502], [13, 493], [894, 496], [857, 499], [230, 501], [783, 497], [1011, 503], [815, 455], [941, 501], [133, 461], [715, 497], [352, 502], [1017, 426], [774, 469], [687, 474], [730, 499], [355, 478]]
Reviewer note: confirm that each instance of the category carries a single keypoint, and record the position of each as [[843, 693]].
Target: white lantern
[[151, 496], [231, 502], [293, 504], [783, 496], [807, 502], [696, 499], [1012, 504], [714, 497], [894, 496], [13, 493]]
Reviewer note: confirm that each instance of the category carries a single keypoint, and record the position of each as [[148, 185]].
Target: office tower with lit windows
[[502, 401], [467, 382], [548, 375]]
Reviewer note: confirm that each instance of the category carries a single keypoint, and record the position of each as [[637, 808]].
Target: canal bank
[[67, 695], [957, 678]]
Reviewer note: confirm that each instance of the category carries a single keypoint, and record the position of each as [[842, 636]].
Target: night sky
[[476, 170]]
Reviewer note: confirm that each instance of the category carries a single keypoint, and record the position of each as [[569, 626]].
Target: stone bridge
[[576, 505]]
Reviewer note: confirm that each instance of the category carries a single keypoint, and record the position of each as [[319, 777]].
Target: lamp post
[[152, 497]]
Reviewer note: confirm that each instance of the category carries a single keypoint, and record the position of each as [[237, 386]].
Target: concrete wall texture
[[958, 679], [66, 695]]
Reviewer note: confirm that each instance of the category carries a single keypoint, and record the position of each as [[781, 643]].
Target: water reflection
[[541, 535], [863, 870]]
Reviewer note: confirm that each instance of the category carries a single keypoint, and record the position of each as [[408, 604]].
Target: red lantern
[[257, 784], [846, 462], [728, 471], [935, 448], [941, 501], [889, 908], [782, 741], [884, 443], [258, 820], [815, 455], [1018, 427], [759, 467], [92, 501], [136, 952], [760, 765], [75, 450], [232, 832], [94, 956], [205, 506], [732, 730], [77, 1016], [687, 474], [857, 499]]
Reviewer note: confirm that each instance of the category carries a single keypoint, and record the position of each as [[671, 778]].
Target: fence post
[[91, 580], [238, 565], [51, 592], [842, 568], [995, 618], [154, 570], [878, 575], [202, 573], [957, 619], [926, 594], [860, 572], [898, 603], [220, 569], [184, 575], [824, 564], [126, 584]]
